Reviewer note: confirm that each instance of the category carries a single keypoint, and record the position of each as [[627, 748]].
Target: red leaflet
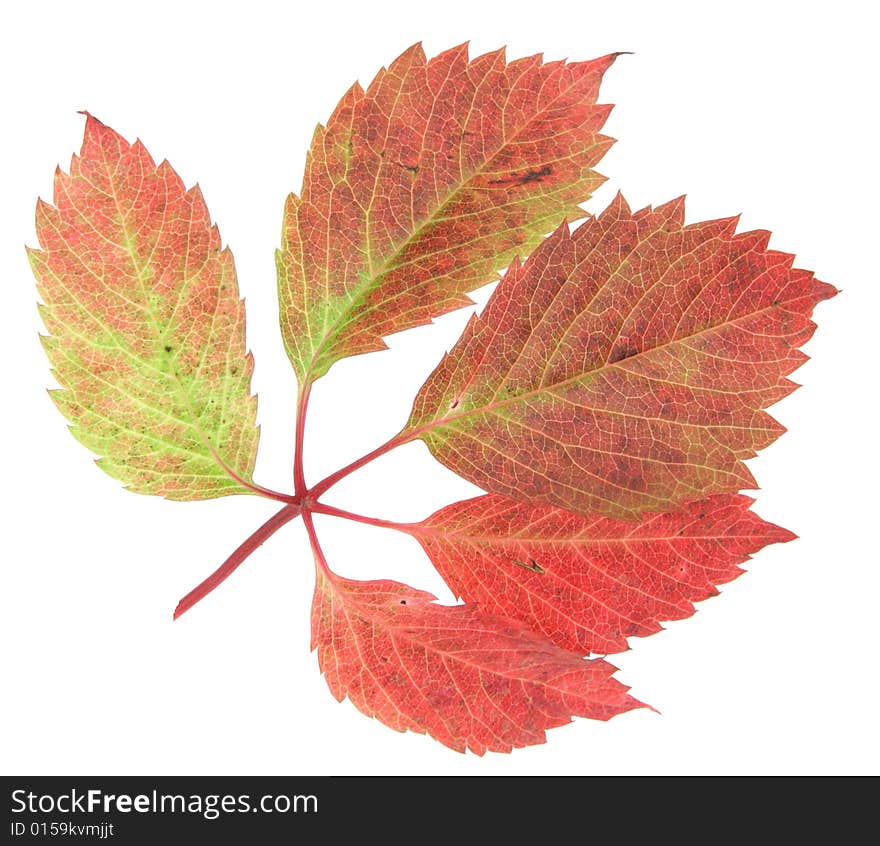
[[606, 397], [469, 679], [424, 186], [588, 583], [624, 367]]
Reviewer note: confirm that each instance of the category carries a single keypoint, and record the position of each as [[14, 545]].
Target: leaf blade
[[589, 583], [423, 186], [146, 329], [624, 367], [470, 680]]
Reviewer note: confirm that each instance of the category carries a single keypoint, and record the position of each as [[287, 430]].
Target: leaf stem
[[302, 405], [320, 559], [324, 485], [290, 512], [321, 508], [268, 493]]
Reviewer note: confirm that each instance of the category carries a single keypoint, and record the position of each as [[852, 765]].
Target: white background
[[762, 108]]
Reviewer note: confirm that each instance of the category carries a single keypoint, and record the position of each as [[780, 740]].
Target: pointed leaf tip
[[624, 369], [128, 270], [589, 583], [472, 680], [443, 203]]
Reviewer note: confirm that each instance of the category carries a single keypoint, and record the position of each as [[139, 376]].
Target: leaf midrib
[[496, 404], [129, 246], [512, 540]]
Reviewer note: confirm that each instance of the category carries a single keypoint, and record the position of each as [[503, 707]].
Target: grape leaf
[[469, 679], [146, 328], [624, 366], [423, 186], [588, 583]]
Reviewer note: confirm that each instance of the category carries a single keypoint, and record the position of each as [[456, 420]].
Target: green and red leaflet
[[146, 328], [605, 398], [424, 186]]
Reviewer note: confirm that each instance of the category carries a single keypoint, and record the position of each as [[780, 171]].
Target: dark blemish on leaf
[[167, 348], [454, 404], [403, 602], [621, 352], [533, 565], [526, 178], [536, 175], [413, 169]]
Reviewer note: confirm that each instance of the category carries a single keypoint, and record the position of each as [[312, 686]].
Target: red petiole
[[303, 502], [272, 525]]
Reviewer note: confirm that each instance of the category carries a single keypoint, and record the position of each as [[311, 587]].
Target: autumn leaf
[[588, 583], [624, 366], [605, 399], [422, 187], [146, 328], [469, 679]]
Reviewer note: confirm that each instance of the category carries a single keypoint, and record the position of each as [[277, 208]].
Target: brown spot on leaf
[[530, 176], [536, 175], [622, 351], [532, 565]]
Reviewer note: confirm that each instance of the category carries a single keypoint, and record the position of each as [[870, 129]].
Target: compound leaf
[[607, 397]]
